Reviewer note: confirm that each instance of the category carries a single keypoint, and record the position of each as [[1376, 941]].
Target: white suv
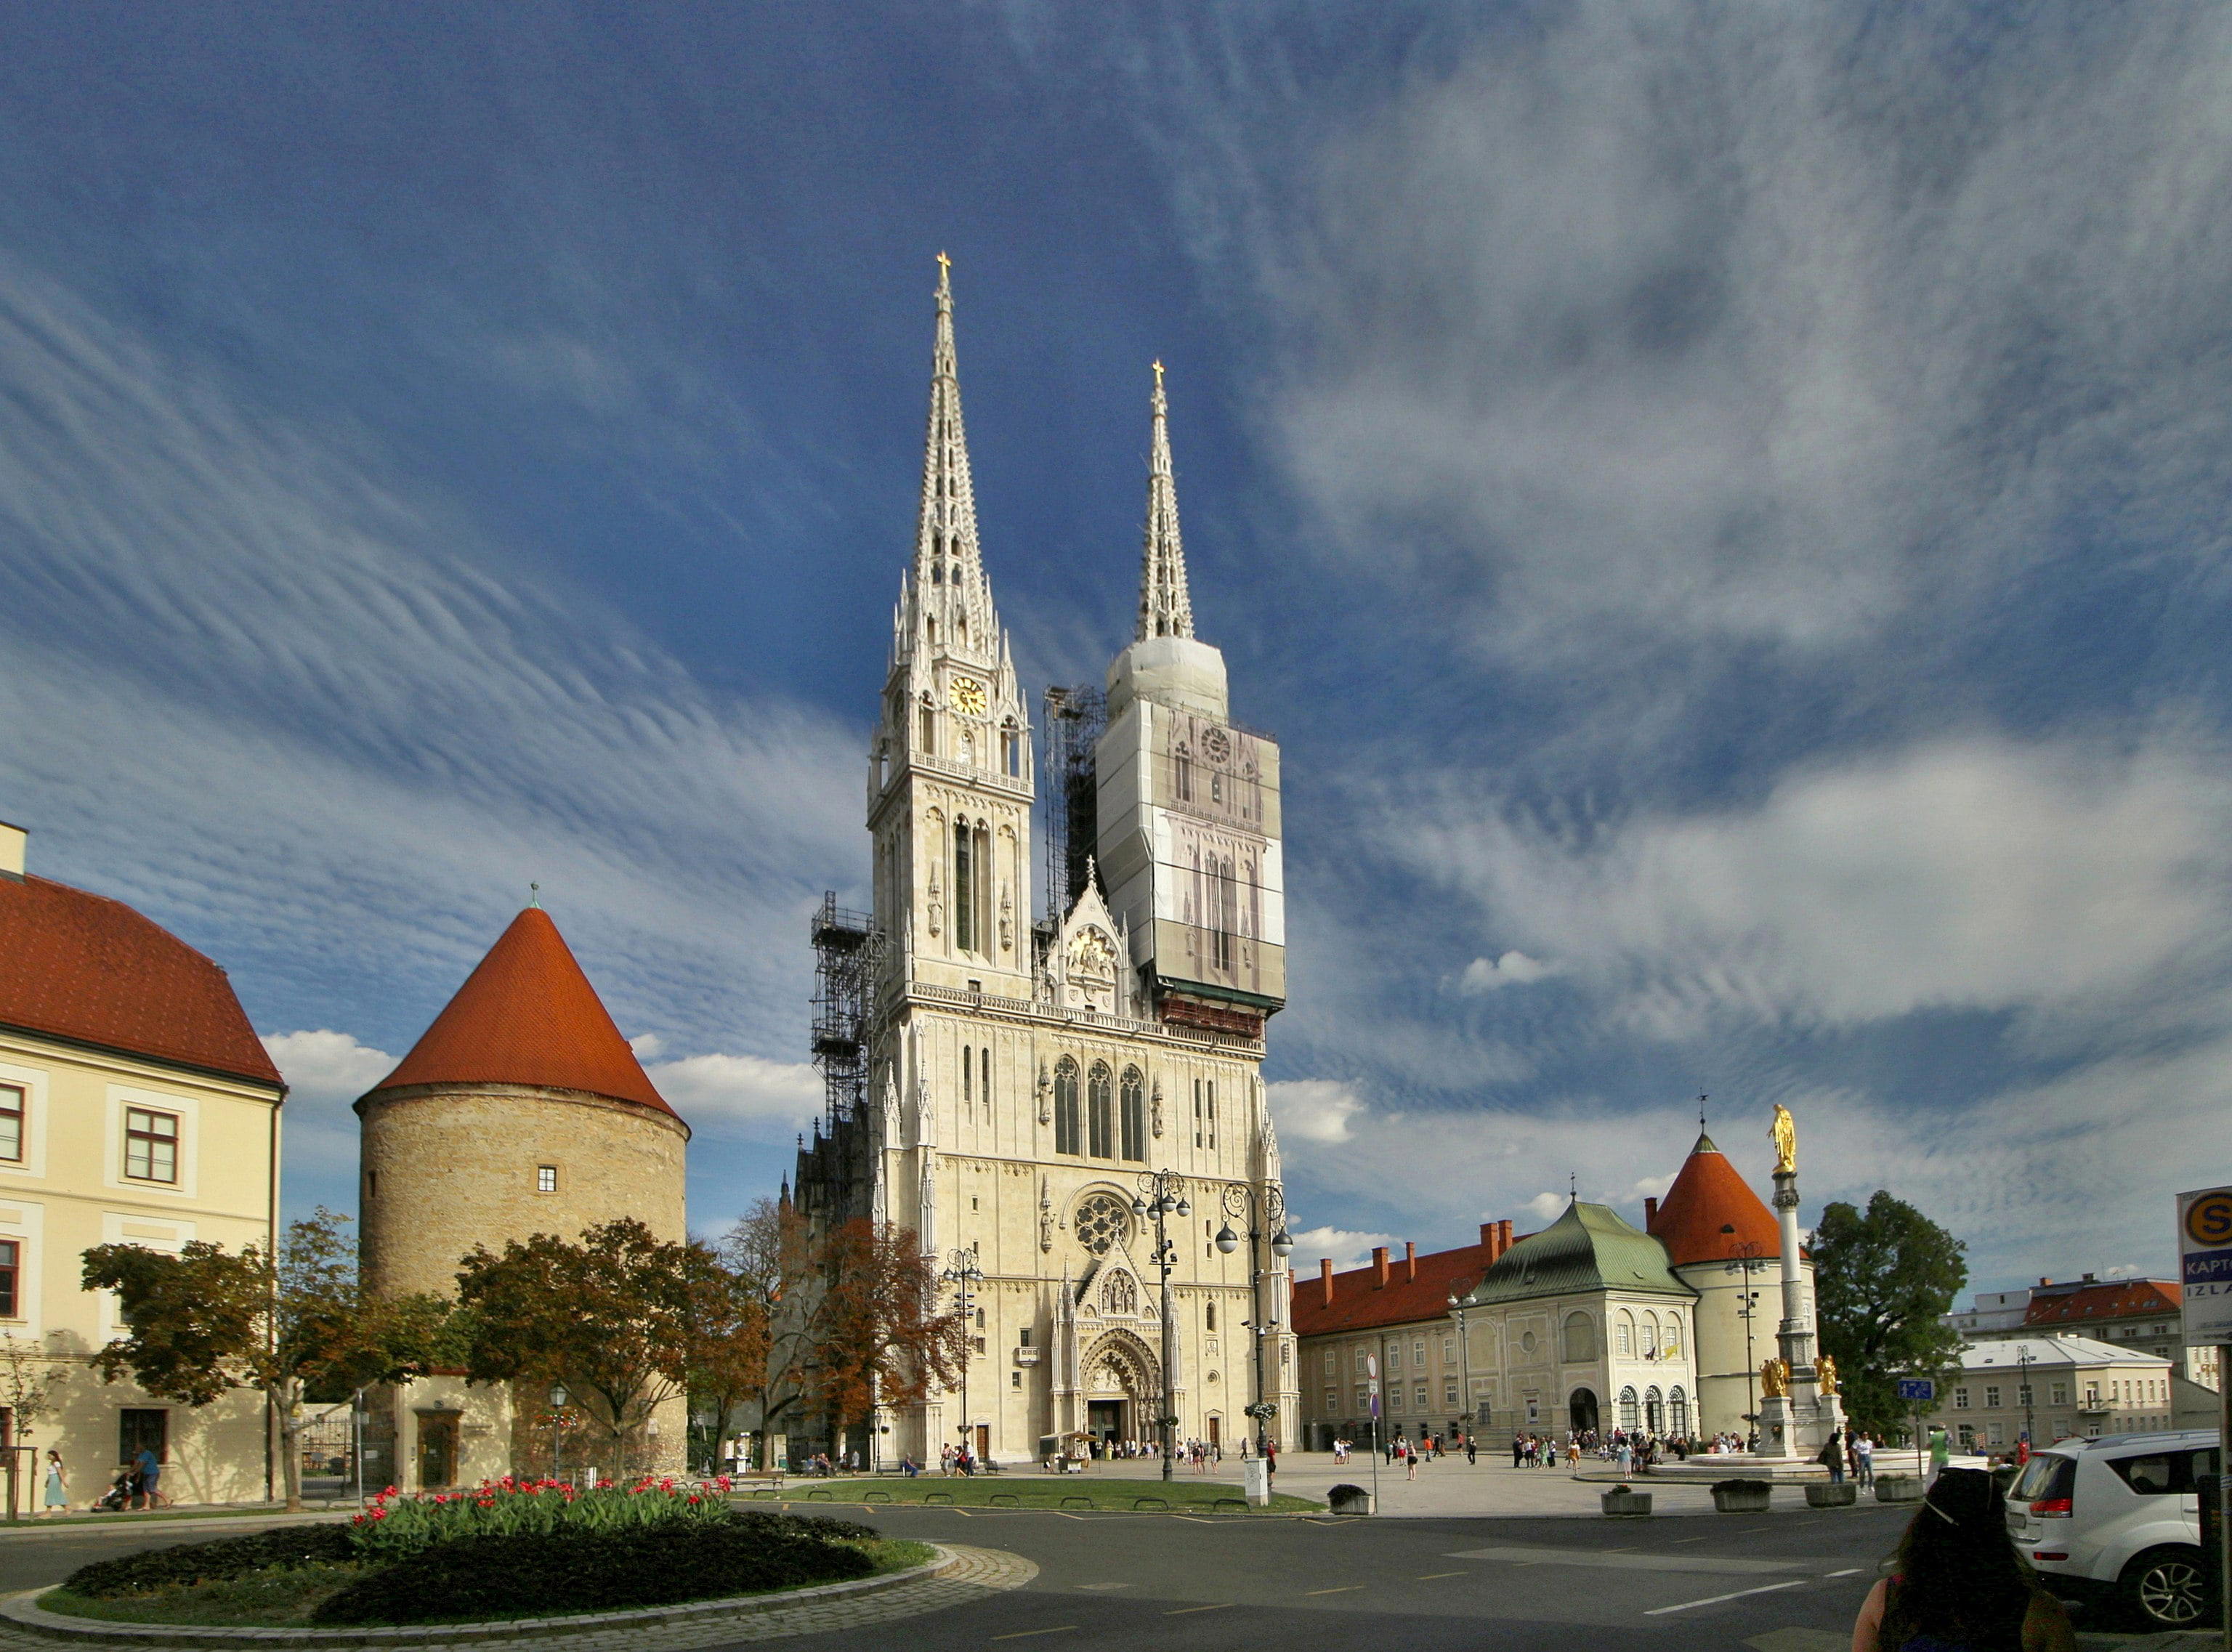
[[2118, 1517]]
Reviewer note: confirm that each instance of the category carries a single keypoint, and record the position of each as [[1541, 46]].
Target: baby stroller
[[122, 1491]]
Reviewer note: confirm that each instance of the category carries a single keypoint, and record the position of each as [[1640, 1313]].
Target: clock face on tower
[[968, 696]]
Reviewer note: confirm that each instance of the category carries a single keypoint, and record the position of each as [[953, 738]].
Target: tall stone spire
[[945, 551], [1165, 609]]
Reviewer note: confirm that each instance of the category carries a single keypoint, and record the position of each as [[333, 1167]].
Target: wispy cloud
[[281, 696]]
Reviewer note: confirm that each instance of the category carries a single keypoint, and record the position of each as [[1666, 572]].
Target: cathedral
[[1067, 1109]]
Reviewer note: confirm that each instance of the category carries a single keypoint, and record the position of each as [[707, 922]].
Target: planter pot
[[1840, 1495], [1349, 1499], [1742, 1496], [1899, 1488], [1622, 1501]]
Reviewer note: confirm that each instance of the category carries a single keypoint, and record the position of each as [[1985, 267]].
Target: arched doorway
[[1582, 1411], [1123, 1384]]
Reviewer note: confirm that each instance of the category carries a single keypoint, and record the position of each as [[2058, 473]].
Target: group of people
[[1849, 1451], [137, 1484]]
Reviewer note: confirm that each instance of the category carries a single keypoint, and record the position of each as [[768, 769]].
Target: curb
[[22, 1611]]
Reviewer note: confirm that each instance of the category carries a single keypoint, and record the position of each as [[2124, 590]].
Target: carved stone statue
[[1774, 1378], [1157, 1123], [1786, 1140], [1046, 1090], [1825, 1373]]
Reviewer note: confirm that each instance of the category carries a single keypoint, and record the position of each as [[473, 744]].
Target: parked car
[[2117, 1518]]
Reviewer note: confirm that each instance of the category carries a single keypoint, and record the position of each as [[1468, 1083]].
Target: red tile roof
[[1361, 1303], [1708, 1195], [2117, 1299], [528, 1015], [90, 970]]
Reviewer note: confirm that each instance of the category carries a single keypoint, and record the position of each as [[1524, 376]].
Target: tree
[[1882, 1282], [733, 1340], [30, 1380], [610, 1315], [768, 1254], [202, 1322], [877, 1337]]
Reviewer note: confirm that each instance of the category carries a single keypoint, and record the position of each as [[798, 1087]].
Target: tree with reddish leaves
[[873, 1325]]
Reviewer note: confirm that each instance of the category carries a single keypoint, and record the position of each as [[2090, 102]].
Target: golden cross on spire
[[1158, 373], [944, 263]]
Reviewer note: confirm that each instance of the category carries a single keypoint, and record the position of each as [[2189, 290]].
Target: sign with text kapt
[[2204, 1254]]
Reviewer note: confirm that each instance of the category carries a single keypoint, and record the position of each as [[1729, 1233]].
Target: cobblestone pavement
[[976, 1574]]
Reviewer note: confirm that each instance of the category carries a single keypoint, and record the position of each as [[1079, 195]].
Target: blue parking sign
[[1918, 1388]]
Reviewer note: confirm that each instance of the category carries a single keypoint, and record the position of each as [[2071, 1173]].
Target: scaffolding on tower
[[1075, 719], [847, 946]]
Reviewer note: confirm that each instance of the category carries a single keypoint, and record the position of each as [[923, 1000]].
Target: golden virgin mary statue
[[1786, 1140]]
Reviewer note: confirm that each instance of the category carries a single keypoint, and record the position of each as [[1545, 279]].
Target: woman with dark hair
[[1959, 1585]]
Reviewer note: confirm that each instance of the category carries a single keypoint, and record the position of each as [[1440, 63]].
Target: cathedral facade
[[1029, 1088]]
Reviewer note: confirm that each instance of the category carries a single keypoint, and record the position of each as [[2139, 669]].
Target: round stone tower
[[521, 1110]]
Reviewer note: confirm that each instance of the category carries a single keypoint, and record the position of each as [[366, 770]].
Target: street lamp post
[[1465, 1360], [1240, 1199], [1162, 1193], [1747, 1301], [2022, 1362], [963, 1274], [559, 1398]]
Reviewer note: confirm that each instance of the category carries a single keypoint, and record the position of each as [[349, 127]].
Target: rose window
[[1103, 1220]]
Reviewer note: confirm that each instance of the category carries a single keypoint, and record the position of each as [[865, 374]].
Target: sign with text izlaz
[[2204, 1253]]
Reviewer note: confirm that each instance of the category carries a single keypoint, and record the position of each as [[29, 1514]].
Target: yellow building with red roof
[[137, 1105]]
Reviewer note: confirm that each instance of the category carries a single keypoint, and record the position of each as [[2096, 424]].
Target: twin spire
[[946, 551]]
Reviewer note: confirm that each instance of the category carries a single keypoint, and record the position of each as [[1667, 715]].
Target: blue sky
[[1725, 508]]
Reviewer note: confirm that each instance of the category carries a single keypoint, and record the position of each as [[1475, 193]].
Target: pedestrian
[[150, 1468], [1624, 1454], [1410, 1464], [57, 1484], [1832, 1457], [1472, 1454], [1518, 1449], [1865, 1450], [1957, 1580], [1574, 1454], [1941, 1448]]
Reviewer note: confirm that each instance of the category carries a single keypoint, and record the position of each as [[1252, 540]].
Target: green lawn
[[285, 1599], [1076, 1492]]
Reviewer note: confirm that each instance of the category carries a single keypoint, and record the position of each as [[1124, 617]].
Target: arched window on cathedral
[[986, 880], [1133, 1113], [1626, 1344], [1678, 1412], [961, 625], [1224, 900], [1100, 1113], [1628, 1417], [1182, 771], [1011, 749], [968, 1059], [964, 887], [1066, 1132], [928, 741]]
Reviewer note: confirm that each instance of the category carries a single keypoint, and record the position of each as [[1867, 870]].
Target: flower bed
[[506, 1549]]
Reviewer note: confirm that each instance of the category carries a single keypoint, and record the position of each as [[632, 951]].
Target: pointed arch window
[[964, 887], [1100, 1113], [928, 740], [1182, 771], [1011, 749], [1066, 1131], [1132, 1115]]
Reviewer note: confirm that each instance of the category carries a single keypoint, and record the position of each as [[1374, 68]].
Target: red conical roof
[[528, 1015], [1708, 1196]]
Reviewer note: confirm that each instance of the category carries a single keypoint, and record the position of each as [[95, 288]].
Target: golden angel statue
[[1774, 1378], [1786, 1139], [1824, 1374]]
